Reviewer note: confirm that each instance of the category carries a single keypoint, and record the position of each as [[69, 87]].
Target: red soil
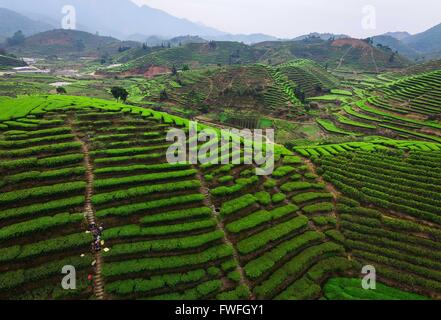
[[355, 43]]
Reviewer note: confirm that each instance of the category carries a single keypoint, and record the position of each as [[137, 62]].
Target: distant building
[[30, 60], [30, 69]]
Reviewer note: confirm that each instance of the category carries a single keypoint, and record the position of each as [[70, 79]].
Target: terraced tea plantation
[[212, 231], [389, 216], [172, 231], [397, 107]]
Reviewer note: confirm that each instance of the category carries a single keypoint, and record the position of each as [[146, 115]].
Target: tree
[[174, 70], [392, 57], [185, 67], [16, 39], [119, 93], [105, 58], [204, 109], [61, 90], [300, 94], [163, 95], [79, 45], [369, 41]]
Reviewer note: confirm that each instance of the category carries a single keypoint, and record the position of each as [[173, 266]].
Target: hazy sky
[[289, 18]]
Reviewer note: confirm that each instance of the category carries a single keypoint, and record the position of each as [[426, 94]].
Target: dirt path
[[343, 58], [89, 211], [220, 225], [374, 61], [210, 92], [329, 187]]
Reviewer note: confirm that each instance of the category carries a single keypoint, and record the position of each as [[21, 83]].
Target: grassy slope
[[351, 289], [68, 43], [357, 54], [20, 107]]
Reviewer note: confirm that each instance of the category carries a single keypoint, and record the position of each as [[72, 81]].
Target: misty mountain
[[425, 45], [70, 43], [396, 45], [8, 61], [183, 39], [11, 21], [119, 18], [426, 42], [153, 41], [245, 38], [399, 35], [322, 36]]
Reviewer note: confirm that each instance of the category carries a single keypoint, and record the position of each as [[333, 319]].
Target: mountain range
[[424, 45], [126, 17], [11, 21], [145, 24]]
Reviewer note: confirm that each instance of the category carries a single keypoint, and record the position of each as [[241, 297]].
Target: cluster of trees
[[17, 39], [119, 93], [124, 48]]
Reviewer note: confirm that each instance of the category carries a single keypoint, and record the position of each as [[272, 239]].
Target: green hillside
[[69, 43], [206, 234], [212, 231], [190, 164], [196, 54], [8, 62], [311, 78], [342, 53], [336, 54]]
